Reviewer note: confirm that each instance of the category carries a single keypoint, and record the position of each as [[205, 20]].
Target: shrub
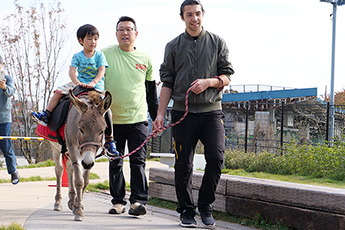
[[305, 160]]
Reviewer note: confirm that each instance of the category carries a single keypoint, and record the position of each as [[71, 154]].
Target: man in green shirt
[[130, 81]]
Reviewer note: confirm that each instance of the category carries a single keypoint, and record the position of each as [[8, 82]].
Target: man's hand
[[3, 84], [199, 85], [158, 125]]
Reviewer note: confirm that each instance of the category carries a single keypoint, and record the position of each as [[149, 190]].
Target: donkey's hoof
[[78, 218], [57, 207], [70, 206]]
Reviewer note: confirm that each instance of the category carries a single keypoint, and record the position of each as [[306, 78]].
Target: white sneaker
[[117, 209]]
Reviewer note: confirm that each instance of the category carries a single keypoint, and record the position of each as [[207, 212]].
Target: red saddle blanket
[[47, 134]]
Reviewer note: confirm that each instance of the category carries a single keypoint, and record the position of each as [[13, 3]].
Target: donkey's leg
[[86, 178], [58, 174], [79, 185], [71, 187]]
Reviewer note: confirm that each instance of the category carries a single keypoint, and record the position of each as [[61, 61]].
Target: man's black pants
[[209, 129], [135, 135]]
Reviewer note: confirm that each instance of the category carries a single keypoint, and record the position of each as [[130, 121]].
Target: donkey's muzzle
[[87, 166]]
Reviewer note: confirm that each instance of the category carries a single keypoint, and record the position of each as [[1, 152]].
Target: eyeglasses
[[122, 30]]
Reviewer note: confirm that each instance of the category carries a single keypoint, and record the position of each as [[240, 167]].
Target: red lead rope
[[153, 133]]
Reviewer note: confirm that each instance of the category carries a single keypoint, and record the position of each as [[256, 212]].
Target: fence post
[[246, 129], [282, 129], [327, 123]]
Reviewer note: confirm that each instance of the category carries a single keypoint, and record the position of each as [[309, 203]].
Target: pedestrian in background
[[7, 91]]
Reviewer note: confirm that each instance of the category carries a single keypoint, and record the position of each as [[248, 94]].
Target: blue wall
[[276, 94]]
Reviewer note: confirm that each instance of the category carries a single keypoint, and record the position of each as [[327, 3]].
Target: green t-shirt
[[125, 79]]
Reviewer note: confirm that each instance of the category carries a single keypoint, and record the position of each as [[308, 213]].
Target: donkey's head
[[91, 125]]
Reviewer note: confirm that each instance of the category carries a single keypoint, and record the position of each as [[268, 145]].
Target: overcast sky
[[271, 42]]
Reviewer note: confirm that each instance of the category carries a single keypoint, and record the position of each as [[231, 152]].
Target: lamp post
[[335, 3]]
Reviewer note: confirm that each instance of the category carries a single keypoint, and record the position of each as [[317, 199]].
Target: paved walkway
[[31, 205]]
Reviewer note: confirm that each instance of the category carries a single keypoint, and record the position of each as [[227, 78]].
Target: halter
[[90, 143]]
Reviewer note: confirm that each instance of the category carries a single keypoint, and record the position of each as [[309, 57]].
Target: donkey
[[84, 135]]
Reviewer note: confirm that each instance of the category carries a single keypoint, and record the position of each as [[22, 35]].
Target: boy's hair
[[85, 30], [127, 19], [190, 2]]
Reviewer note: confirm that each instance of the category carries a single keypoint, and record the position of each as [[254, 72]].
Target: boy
[[90, 65]]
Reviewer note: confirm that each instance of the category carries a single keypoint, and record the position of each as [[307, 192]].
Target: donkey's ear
[[106, 103], [79, 105]]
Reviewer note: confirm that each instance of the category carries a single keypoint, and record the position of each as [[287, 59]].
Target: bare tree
[[31, 41]]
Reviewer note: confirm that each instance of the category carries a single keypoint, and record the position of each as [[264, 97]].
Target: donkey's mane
[[94, 98]]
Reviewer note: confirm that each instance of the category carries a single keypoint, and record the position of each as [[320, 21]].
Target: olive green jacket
[[186, 60]]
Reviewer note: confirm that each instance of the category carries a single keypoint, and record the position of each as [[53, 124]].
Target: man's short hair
[[190, 2], [85, 30], [127, 19]]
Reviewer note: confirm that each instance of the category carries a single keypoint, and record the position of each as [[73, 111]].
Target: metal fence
[[262, 126], [269, 127]]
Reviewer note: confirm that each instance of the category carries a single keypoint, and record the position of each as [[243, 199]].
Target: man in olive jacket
[[196, 59]]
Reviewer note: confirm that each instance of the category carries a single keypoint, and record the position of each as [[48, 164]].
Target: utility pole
[[335, 3]]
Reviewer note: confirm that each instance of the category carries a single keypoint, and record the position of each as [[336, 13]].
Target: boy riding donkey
[[90, 65]]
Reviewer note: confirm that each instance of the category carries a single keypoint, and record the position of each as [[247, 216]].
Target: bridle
[[97, 144]]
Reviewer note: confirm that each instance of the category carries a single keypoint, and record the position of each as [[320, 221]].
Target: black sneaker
[[15, 177], [137, 209], [187, 219], [207, 219]]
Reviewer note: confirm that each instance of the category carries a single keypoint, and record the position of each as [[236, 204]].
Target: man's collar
[[202, 34]]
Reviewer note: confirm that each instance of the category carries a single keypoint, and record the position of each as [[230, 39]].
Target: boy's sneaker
[[207, 219], [111, 147], [41, 118], [137, 209], [187, 219], [15, 177]]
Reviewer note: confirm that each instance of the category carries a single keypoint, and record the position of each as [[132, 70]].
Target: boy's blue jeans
[[6, 148]]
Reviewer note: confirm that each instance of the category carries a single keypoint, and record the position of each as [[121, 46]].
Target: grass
[[11, 227], [29, 179], [98, 187], [102, 186], [48, 163], [311, 180], [39, 178]]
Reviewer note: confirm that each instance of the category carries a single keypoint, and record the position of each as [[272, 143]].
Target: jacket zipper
[[195, 68]]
